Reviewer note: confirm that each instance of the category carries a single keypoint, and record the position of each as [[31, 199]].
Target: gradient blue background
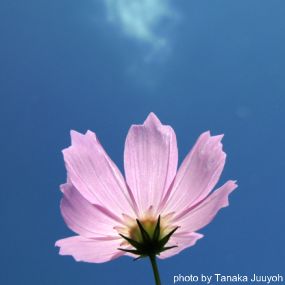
[[62, 67]]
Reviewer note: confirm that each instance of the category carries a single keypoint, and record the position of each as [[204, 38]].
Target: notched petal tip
[[232, 184], [79, 138], [66, 187], [75, 136], [217, 138], [74, 133], [62, 188], [59, 244], [208, 134], [152, 119], [198, 236], [227, 188], [205, 134], [91, 134]]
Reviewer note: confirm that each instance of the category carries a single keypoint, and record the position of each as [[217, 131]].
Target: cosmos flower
[[155, 210]]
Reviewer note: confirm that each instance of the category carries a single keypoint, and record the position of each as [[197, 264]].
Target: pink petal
[[150, 161], [94, 175], [85, 218], [90, 250], [182, 242], [202, 214], [198, 174]]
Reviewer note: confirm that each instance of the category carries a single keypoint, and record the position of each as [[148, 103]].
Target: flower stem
[[155, 269]]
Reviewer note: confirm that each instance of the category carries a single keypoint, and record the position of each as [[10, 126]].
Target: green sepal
[[150, 245], [145, 235], [134, 251], [133, 242], [168, 247], [156, 233], [165, 239]]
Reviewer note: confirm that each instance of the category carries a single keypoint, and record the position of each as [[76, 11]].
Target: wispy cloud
[[141, 19]]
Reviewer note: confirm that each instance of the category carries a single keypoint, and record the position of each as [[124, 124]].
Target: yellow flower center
[[149, 226], [148, 236]]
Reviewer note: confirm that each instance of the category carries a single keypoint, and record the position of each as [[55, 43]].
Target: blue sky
[[103, 65]]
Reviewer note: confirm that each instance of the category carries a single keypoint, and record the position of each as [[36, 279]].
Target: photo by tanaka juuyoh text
[[219, 278]]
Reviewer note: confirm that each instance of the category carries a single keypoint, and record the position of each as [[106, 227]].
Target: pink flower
[[154, 208]]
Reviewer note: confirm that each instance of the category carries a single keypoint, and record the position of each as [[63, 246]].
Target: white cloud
[[140, 19]]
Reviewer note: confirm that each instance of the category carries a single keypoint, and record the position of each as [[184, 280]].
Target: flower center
[[149, 225], [148, 237]]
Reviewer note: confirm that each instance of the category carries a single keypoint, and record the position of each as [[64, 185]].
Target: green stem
[[155, 269]]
